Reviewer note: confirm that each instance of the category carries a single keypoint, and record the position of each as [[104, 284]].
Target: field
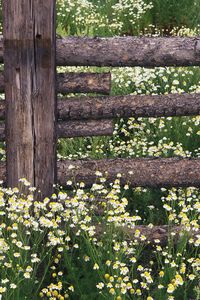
[[79, 244]]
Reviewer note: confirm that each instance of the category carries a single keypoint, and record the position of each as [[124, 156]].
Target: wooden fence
[[35, 118]]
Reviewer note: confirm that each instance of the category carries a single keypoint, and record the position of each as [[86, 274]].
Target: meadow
[[72, 245]]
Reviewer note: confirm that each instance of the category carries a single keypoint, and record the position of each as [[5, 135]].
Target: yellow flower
[[2, 289], [55, 293], [191, 276], [183, 268], [112, 291], [107, 276], [96, 266], [138, 292], [161, 273], [71, 288], [178, 280], [170, 288], [132, 291]]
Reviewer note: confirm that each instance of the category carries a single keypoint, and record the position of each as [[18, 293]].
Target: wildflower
[[27, 275], [138, 292], [2, 289], [178, 280], [161, 273], [191, 276], [71, 288], [96, 266], [108, 263], [100, 285], [170, 288], [160, 286], [107, 276], [133, 259], [112, 291], [86, 258]]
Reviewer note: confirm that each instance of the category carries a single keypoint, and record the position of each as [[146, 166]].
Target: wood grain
[[29, 45]]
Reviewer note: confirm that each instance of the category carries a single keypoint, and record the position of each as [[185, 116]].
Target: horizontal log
[[78, 128], [154, 235], [125, 106], [129, 51], [126, 51], [163, 172], [85, 128], [84, 83], [144, 172], [78, 83], [129, 106]]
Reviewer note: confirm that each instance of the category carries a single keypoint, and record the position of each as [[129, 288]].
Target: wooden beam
[[98, 108], [129, 51], [145, 172], [158, 172], [80, 128], [84, 83], [85, 128], [78, 83], [129, 106], [30, 46], [126, 51]]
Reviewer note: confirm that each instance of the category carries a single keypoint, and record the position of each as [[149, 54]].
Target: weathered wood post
[[30, 46]]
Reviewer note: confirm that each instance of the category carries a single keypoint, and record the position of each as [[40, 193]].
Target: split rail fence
[[35, 118]]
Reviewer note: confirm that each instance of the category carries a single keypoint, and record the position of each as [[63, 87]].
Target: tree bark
[[126, 51], [84, 108], [2, 132], [84, 83], [129, 51], [78, 83], [85, 128], [129, 106], [1, 49], [158, 172], [2, 109], [161, 172], [29, 44], [2, 83]]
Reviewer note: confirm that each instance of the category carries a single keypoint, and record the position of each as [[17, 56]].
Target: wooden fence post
[[29, 57]]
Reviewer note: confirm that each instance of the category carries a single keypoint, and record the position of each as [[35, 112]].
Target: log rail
[[126, 51]]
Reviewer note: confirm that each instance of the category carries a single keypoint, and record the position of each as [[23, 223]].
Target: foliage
[[73, 245]]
